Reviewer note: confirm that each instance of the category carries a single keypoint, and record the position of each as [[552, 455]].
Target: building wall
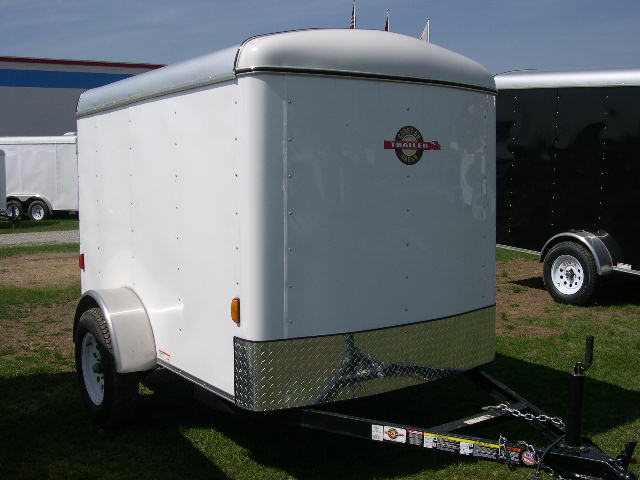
[[39, 96]]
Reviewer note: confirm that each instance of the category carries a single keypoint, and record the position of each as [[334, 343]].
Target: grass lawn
[[49, 225], [46, 433]]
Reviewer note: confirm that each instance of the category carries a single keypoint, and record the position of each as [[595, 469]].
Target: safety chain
[[526, 416], [504, 453]]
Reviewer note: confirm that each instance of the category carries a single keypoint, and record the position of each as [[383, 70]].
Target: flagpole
[[352, 25], [426, 33]]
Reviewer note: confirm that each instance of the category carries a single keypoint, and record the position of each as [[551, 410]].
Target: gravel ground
[[66, 236]]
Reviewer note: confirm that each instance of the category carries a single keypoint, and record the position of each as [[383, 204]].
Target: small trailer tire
[[14, 209], [108, 396], [37, 210], [570, 273]]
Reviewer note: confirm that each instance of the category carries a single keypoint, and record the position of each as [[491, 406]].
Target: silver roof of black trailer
[[351, 53], [613, 77]]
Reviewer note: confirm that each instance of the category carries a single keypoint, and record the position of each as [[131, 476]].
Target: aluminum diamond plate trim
[[308, 371]]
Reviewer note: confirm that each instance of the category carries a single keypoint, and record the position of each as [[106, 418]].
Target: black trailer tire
[[37, 210], [108, 396], [14, 210], [570, 274]]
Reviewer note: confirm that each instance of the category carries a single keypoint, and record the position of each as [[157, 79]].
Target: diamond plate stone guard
[[298, 372]]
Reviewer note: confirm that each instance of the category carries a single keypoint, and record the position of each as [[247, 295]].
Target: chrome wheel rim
[[92, 369], [37, 212], [567, 274]]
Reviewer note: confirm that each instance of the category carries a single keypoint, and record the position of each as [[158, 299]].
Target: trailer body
[[567, 171], [344, 193], [42, 170], [3, 185]]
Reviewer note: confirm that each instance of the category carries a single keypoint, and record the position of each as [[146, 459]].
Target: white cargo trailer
[[41, 175], [3, 186], [267, 219]]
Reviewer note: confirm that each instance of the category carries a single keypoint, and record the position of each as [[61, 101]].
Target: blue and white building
[[38, 97]]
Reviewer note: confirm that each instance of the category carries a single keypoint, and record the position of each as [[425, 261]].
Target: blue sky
[[501, 34]]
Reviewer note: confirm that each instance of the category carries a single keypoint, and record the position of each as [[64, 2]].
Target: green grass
[[16, 302], [48, 435], [48, 225], [505, 255], [11, 251]]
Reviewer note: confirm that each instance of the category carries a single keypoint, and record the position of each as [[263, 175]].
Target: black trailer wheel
[[14, 210], [38, 210], [570, 274], [108, 395]]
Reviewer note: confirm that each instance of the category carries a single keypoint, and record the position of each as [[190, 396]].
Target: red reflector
[[81, 261]]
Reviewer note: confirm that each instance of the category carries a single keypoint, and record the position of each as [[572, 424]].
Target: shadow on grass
[[619, 289], [175, 436], [533, 282], [47, 434]]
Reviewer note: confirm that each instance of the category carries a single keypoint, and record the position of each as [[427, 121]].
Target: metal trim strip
[[362, 75], [195, 380]]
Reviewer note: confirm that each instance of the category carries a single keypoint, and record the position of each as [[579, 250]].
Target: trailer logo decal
[[409, 145], [395, 434], [528, 458]]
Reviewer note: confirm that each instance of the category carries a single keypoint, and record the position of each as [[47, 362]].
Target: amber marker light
[[235, 310]]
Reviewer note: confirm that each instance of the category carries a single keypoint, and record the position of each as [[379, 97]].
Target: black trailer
[[568, 174]]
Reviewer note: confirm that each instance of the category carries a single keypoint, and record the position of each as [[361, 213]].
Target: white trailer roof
[[615, 77], [340, 52], [37, 140]]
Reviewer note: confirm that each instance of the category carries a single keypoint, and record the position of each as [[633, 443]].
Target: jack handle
[[581, 367], [626, 457]]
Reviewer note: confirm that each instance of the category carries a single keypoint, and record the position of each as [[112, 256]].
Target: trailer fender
[[134, 347], [593, 243], [45, 200], [28, 198]]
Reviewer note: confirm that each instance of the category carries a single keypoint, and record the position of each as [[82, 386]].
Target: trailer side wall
[[566, 159]]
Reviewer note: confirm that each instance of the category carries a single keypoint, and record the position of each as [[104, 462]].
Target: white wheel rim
[[567, 274], [92, 369], [37, 212]]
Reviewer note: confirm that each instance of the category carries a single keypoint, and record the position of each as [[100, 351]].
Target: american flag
[[353, 15], [387, 24]]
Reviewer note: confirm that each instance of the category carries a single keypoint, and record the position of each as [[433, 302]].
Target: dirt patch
[[40, 270], [43, 329], [520, 294]]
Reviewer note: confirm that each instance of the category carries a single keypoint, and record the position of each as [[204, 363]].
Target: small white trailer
[[3, 187], [304, 218], [339, 185], [41, 175]]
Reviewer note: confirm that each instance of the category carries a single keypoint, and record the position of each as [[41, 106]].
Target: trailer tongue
[[569, 455]]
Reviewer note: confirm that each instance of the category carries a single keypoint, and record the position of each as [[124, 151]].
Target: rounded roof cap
[[362, 53]]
